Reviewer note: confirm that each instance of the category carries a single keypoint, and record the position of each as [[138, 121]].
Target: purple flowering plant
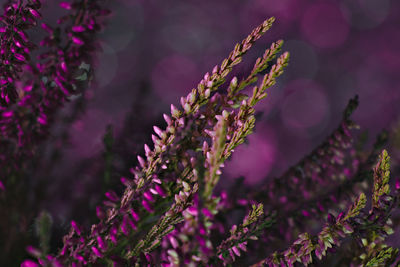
[[335, 207]]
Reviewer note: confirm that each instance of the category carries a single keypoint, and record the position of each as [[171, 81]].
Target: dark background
[[156, 51]]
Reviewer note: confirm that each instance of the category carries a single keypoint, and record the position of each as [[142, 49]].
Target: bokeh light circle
[[174, 76], [107, 66], [303, 60], [305, 106], [324, 25], [255, 159]]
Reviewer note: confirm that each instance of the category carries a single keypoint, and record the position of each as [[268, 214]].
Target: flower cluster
[[33, 95], [356, 223], [171, 173], [15, 46]]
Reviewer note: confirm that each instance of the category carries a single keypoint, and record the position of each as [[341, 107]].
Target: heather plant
[[33, 90], [171, 211]]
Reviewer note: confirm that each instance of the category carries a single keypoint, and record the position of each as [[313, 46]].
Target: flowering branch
[[171, 158], [353, 223], [253, 225]]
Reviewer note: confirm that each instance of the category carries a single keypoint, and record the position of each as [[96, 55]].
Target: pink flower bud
[[34, 12], [135, 216], [111, 195], [78, 28], [65, 5], [97, 252], [77, 40], [76, 227], [148, 196], [29, 263], [147, 206]]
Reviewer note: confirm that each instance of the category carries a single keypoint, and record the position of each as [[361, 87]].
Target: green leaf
[[43, 226]]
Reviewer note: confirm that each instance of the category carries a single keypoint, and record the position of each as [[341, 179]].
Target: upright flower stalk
[[169, 174]]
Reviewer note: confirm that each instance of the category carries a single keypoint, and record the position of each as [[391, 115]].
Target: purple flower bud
[[47, 28], [192, 211], [318, 252], [148, 196], [130, 222], [347, 228], [236, 251], [64, 66], [20, 57], [33, 251], [167, 119], [113, 235], [153, 191], [2, 187], [23, 36], [78, 28], [79, 258], [155, 139], [147, 150], [77, 40], [242, 246], [147, 206], [111, 195], [158, 131], [76, 227], [29, 263], [54, 262], [42, 119], [156, 179], [207, 213], [305, 213], [135, 216], [160, 191], [100, 213], [34, 12], [231, 254], [28, 88], [124, 181], [174, 111], [65, 5], [340, 216], [102, 244], [124, 227], [141, 161], [173, 241], [97, 252]]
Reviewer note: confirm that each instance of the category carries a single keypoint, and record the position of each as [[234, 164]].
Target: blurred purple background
[[156, 51]]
